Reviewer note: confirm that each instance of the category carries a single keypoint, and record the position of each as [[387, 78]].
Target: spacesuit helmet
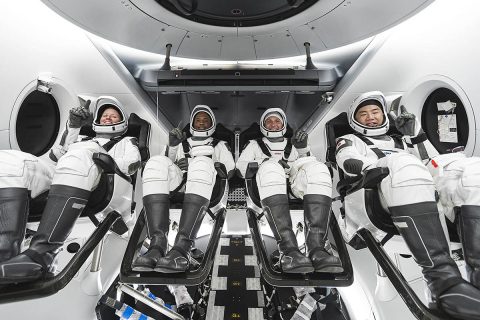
[[107, 102], [202, 132], [369, 98], [273, 112]]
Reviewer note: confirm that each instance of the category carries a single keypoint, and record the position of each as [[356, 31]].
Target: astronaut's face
[[110, 116], [202, 121], [273, 123], [370, 116]]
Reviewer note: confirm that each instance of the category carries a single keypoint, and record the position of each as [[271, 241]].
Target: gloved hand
[[176, 136], [182, 164], [300, 139], [405, 121], [80, 116]]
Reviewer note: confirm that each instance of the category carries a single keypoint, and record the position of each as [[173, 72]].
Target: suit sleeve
[[349, 158], [126, 155]]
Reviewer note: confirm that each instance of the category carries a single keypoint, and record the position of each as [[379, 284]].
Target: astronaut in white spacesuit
[[280, 159], [164, 174], [70, 182], [409, 193]]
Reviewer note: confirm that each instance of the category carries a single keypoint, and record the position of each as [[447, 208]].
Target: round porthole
[[454, 128], [37, 123]]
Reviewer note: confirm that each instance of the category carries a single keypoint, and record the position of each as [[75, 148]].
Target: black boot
[[420, 226], [469, 223], [317, 212], [178, 258], [13, 219], [277, 213], [157, 208], [63, 207]]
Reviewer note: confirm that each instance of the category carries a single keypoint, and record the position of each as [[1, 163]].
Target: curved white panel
[[62, 95], [415, 98], [145, 25]]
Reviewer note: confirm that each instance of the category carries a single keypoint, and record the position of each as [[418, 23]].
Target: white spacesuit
[[70, 182], [164, 174], [409, 193], [280, 159]]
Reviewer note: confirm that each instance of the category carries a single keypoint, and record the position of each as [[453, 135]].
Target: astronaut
[[281, 159], [409, 193], [70, 182], [164, 174]]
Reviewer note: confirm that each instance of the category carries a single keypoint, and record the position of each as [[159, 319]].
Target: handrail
[[416, 306], [46, 287]]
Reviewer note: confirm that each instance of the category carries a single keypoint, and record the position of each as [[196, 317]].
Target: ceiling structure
[[235, 30]]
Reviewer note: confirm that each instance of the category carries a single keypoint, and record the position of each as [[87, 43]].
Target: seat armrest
[[108, 165], [252, 169], [221, 170], [373, 177], [370, 179]]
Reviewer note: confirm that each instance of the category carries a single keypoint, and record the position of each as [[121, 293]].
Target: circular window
[[37, 124], [457, 120]]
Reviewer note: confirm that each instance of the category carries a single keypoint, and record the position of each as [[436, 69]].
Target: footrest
[[189, 278], [314, 279]]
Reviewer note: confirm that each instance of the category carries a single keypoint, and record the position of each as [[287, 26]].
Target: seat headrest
[[137, 128], [221, 133], [253, 132], [338, 126]]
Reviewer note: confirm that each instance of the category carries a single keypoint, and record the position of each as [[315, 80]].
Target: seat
[[217, 211], [111, 201], [370, 225], [255, 214]]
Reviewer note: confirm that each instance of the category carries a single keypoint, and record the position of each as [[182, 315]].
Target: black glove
[[176, 136], [80, 116], [405, 121], [300, 139], [182, 164]]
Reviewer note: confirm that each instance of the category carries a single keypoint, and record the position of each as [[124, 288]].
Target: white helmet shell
[[206, 132], [103, 103], [269, 133], [365, 130]]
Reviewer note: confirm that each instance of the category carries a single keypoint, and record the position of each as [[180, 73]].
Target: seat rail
[[46, 287]]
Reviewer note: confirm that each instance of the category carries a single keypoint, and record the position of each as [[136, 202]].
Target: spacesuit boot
[[178, 258], [317, 211], [469, 223], [13, 219], [63, 207], [420, 226], [157, 214], [278, 216]]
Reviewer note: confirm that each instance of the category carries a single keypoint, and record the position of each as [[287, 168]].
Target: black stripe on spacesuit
[[422, 151]]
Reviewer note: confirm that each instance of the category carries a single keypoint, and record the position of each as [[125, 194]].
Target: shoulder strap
[[398, 141], [371, 145], [263, 146], [109, 145], [287, 150], [186, 148], [215, 141]]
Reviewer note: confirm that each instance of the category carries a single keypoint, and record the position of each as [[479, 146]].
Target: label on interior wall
[[447, 128], [447, 106]]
